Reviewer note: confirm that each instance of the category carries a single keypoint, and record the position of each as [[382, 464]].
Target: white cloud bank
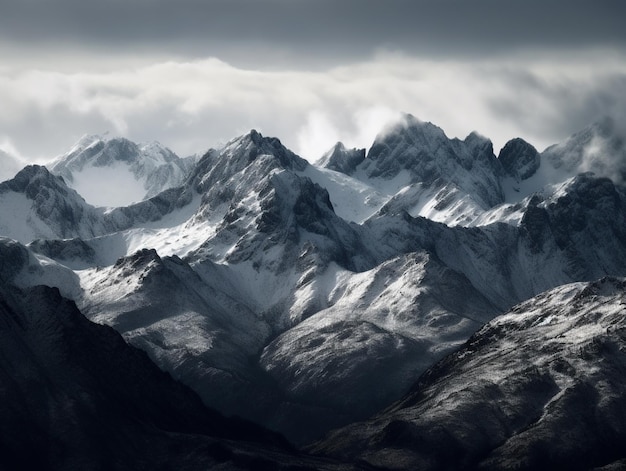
[[191, 106]]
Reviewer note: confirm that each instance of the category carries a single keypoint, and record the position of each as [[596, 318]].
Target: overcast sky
[[195, 73]]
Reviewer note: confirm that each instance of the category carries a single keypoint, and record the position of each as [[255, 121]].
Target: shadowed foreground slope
[[541, 387]]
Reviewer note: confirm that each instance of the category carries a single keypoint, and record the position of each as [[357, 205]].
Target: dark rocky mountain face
[[349, 362], [423, 151], [276, 223], [599, 148], [220, 166], [14, 258], [538, 388], [341, 159], [519, 159], [63, 212], [187, 326], [24, 268], [70, 252], [591, 212], [577, 234], [268, 207], [75, 395]]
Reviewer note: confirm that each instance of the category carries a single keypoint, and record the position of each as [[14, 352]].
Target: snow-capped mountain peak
[[38, 204], [341, 159], [254, 144], [391, 150], [519, 159], [599, 148], [426, 152], [427, 174]]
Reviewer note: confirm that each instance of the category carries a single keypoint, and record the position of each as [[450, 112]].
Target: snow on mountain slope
[[74, 395], [277, 224], [36, 204], [382, 327], [165, 222], [199, 332], [352, 199], [419, 170], [598, 149], [528, 173], [278, 261], [137, 171], [269, 240], [444, 179], [207, 331], [447, 204], [538, 388], [425, 151], [25, 268], [578, 234], [525, 172], [341, 159]]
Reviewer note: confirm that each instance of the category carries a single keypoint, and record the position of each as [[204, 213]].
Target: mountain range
[[436, 305]]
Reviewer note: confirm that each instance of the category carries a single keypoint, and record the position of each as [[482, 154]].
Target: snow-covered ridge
[[414, 167]]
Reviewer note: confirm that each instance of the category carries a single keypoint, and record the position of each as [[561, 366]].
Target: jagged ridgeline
[[306, 297]]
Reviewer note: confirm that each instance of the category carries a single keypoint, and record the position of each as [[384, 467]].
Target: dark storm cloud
[[321, 29]]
